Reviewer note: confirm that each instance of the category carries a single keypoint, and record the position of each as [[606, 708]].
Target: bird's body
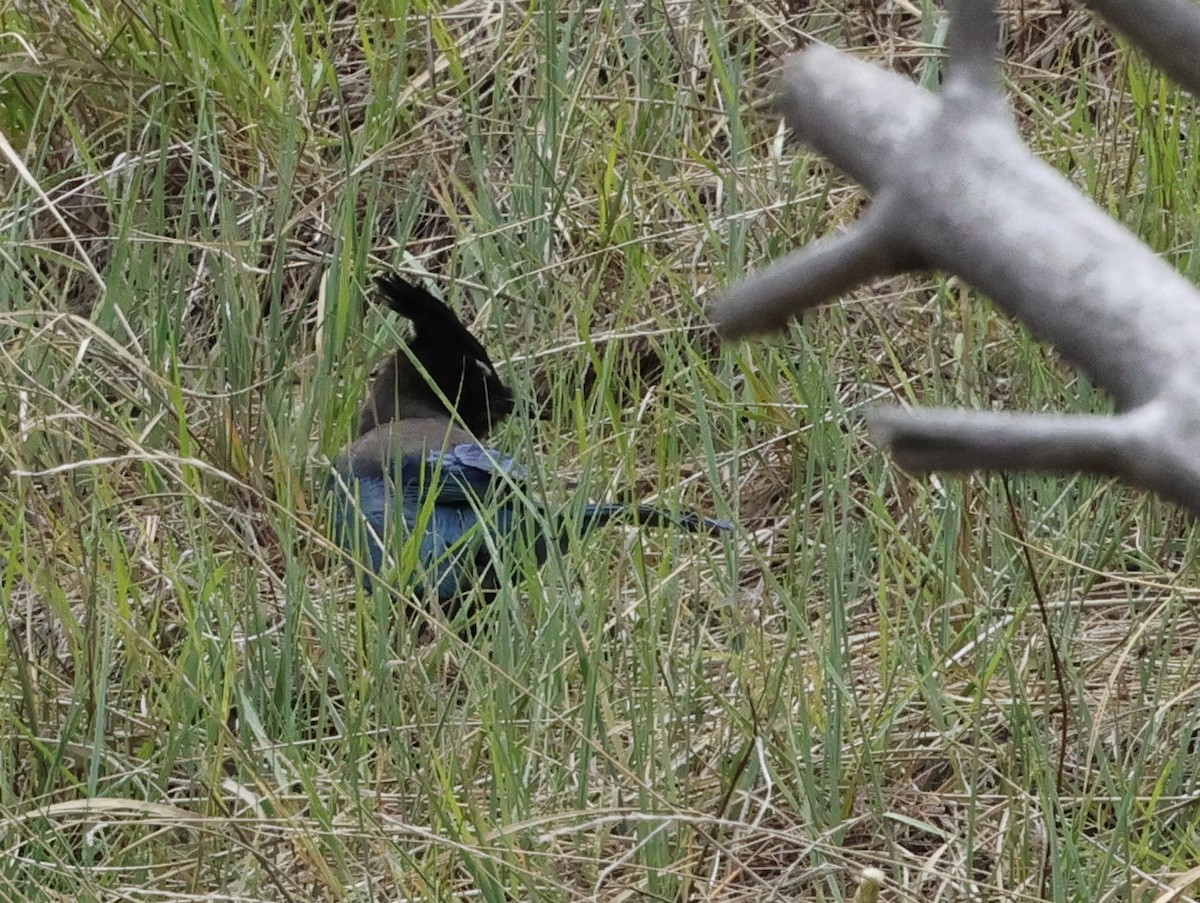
[[424, 478], [418, 488]]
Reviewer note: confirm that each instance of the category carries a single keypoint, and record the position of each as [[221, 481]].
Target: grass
[[984, 688]]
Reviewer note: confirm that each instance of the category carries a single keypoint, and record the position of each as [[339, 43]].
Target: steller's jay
[[419, 484]]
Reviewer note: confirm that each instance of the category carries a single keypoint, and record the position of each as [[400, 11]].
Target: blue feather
[[437, 500]]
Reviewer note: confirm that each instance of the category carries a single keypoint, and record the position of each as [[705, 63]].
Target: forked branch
[[957, 190]]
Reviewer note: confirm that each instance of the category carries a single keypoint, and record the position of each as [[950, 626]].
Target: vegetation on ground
[[985, 688]]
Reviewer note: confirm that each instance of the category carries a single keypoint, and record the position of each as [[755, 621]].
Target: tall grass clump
[[983, 688]]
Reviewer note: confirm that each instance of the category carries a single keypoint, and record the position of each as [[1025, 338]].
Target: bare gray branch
[[821, 272], [973, 47], [957, 190], [1167, 31]]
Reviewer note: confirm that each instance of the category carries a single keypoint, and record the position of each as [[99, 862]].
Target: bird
[[443, 362], [419, 488]]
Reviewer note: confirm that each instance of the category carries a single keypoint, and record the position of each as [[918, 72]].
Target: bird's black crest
[[454, 359]]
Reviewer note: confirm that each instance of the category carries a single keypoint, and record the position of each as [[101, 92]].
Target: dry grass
[[983, 688]]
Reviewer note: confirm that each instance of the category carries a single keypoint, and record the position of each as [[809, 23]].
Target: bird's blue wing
[[426, 511], [460, 474], [363, 513], [434, 499]]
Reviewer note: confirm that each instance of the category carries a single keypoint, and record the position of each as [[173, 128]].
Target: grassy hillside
[[985, 688]]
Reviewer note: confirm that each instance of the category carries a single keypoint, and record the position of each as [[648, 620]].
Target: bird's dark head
[[442, 360], [476, 394]]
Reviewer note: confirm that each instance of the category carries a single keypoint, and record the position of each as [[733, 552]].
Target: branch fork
[[956, 189]]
